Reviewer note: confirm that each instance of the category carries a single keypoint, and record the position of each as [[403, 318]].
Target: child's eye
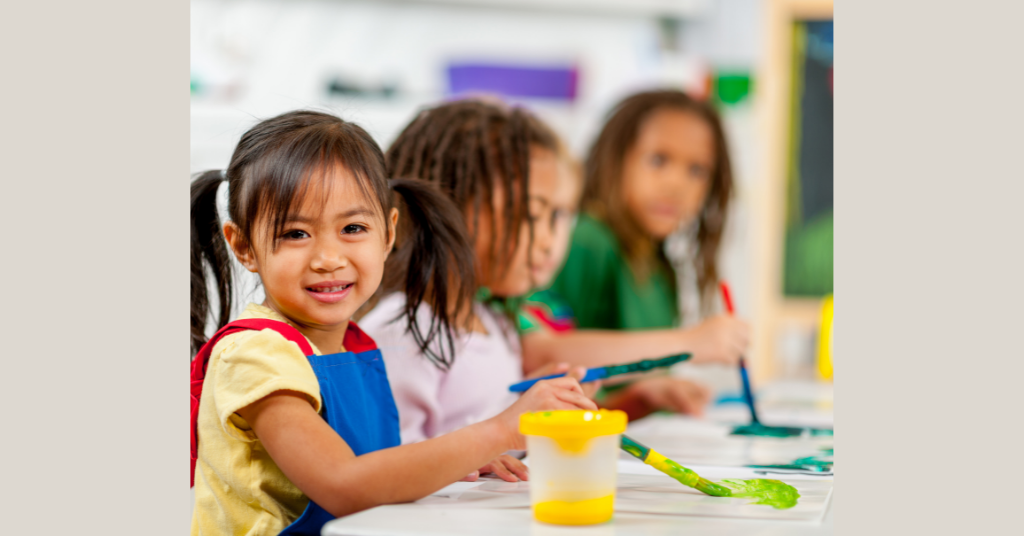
[[295, 235], [699, 171], [558, 215], [657, 160], [353, 229], [561, 218]]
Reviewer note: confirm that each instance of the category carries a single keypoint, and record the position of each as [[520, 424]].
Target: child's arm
[[660, 393], [319, 462], [720, 339]]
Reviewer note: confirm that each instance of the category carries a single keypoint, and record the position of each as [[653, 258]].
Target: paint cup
[[573, 457]]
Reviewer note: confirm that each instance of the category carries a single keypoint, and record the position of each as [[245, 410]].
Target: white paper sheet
[[650, 493], [484, 493], [659, 494]]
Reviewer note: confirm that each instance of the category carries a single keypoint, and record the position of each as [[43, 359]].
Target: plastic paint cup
[[573, 464]]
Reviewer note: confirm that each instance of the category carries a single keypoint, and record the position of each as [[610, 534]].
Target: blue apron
[[356, 400]]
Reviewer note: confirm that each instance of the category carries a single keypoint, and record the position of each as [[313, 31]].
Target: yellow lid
[[573, 423]]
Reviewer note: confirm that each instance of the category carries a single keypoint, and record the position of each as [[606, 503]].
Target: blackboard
[[809, 187]]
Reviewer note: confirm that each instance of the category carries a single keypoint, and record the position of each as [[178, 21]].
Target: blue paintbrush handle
[[748, 393], [592, 375]]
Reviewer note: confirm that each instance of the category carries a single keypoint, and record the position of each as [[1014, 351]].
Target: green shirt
[[599, 285]]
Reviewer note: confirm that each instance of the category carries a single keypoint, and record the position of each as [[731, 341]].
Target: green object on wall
[[808, 258], [732, 88]]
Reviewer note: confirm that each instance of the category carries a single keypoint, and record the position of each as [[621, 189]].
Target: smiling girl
[[293, 421]]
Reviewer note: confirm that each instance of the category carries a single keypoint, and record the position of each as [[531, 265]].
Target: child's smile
[[330, 291]]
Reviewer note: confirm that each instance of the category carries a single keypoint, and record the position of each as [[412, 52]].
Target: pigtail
[[433, 263], [208, 245]]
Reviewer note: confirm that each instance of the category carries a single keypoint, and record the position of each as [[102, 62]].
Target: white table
[[418, 520], [412, 520]]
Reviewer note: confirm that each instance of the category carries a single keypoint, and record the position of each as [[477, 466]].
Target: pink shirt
[[432, 402]]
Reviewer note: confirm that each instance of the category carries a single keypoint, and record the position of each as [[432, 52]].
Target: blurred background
[[767, 64]]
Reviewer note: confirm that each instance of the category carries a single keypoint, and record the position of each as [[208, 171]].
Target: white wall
[[276, 56]]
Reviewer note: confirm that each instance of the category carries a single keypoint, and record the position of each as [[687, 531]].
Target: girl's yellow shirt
[[239, 489]]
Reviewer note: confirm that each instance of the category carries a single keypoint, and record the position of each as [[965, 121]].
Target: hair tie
[[223, 174]]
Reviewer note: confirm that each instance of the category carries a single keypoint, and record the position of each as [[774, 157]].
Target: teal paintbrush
[[598, 373]]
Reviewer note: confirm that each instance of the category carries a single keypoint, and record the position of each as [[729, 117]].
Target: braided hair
[[477, 153]]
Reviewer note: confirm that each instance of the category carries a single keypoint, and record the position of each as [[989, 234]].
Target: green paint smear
[[762, 430], [829, 452], [774, 493]]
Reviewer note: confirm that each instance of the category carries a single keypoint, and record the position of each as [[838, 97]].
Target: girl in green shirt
[[659, 164]]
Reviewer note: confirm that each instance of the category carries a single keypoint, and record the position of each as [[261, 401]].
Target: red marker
[[727, 297]]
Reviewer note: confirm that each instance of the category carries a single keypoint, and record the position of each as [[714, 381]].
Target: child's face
[[330, 257], [518, 277], [564, 206], [667, 172]]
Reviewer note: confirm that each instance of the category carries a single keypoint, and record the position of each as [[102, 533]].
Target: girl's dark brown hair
[[470, 149], [602, 191], [272, 169]]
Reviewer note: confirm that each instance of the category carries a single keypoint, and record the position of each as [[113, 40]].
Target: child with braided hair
[[503, 168], [498, 165]]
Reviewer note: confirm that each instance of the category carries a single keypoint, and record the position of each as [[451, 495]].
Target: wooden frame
[[773, 311]]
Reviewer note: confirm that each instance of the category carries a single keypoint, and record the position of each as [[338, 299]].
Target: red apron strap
[[202, 359], [357, 341]]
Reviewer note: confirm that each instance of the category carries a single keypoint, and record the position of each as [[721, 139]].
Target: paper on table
[[453, 491], [485, 493], [654, 494], [649, 493]]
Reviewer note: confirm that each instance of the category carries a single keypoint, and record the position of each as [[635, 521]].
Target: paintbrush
[[598, 373], [685, 476], [755, 428], [748, 393]]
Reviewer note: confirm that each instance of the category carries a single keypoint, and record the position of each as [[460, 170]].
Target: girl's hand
[[559, 393], [719, 339], [648, 395], [589, 388], [504, 466]]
